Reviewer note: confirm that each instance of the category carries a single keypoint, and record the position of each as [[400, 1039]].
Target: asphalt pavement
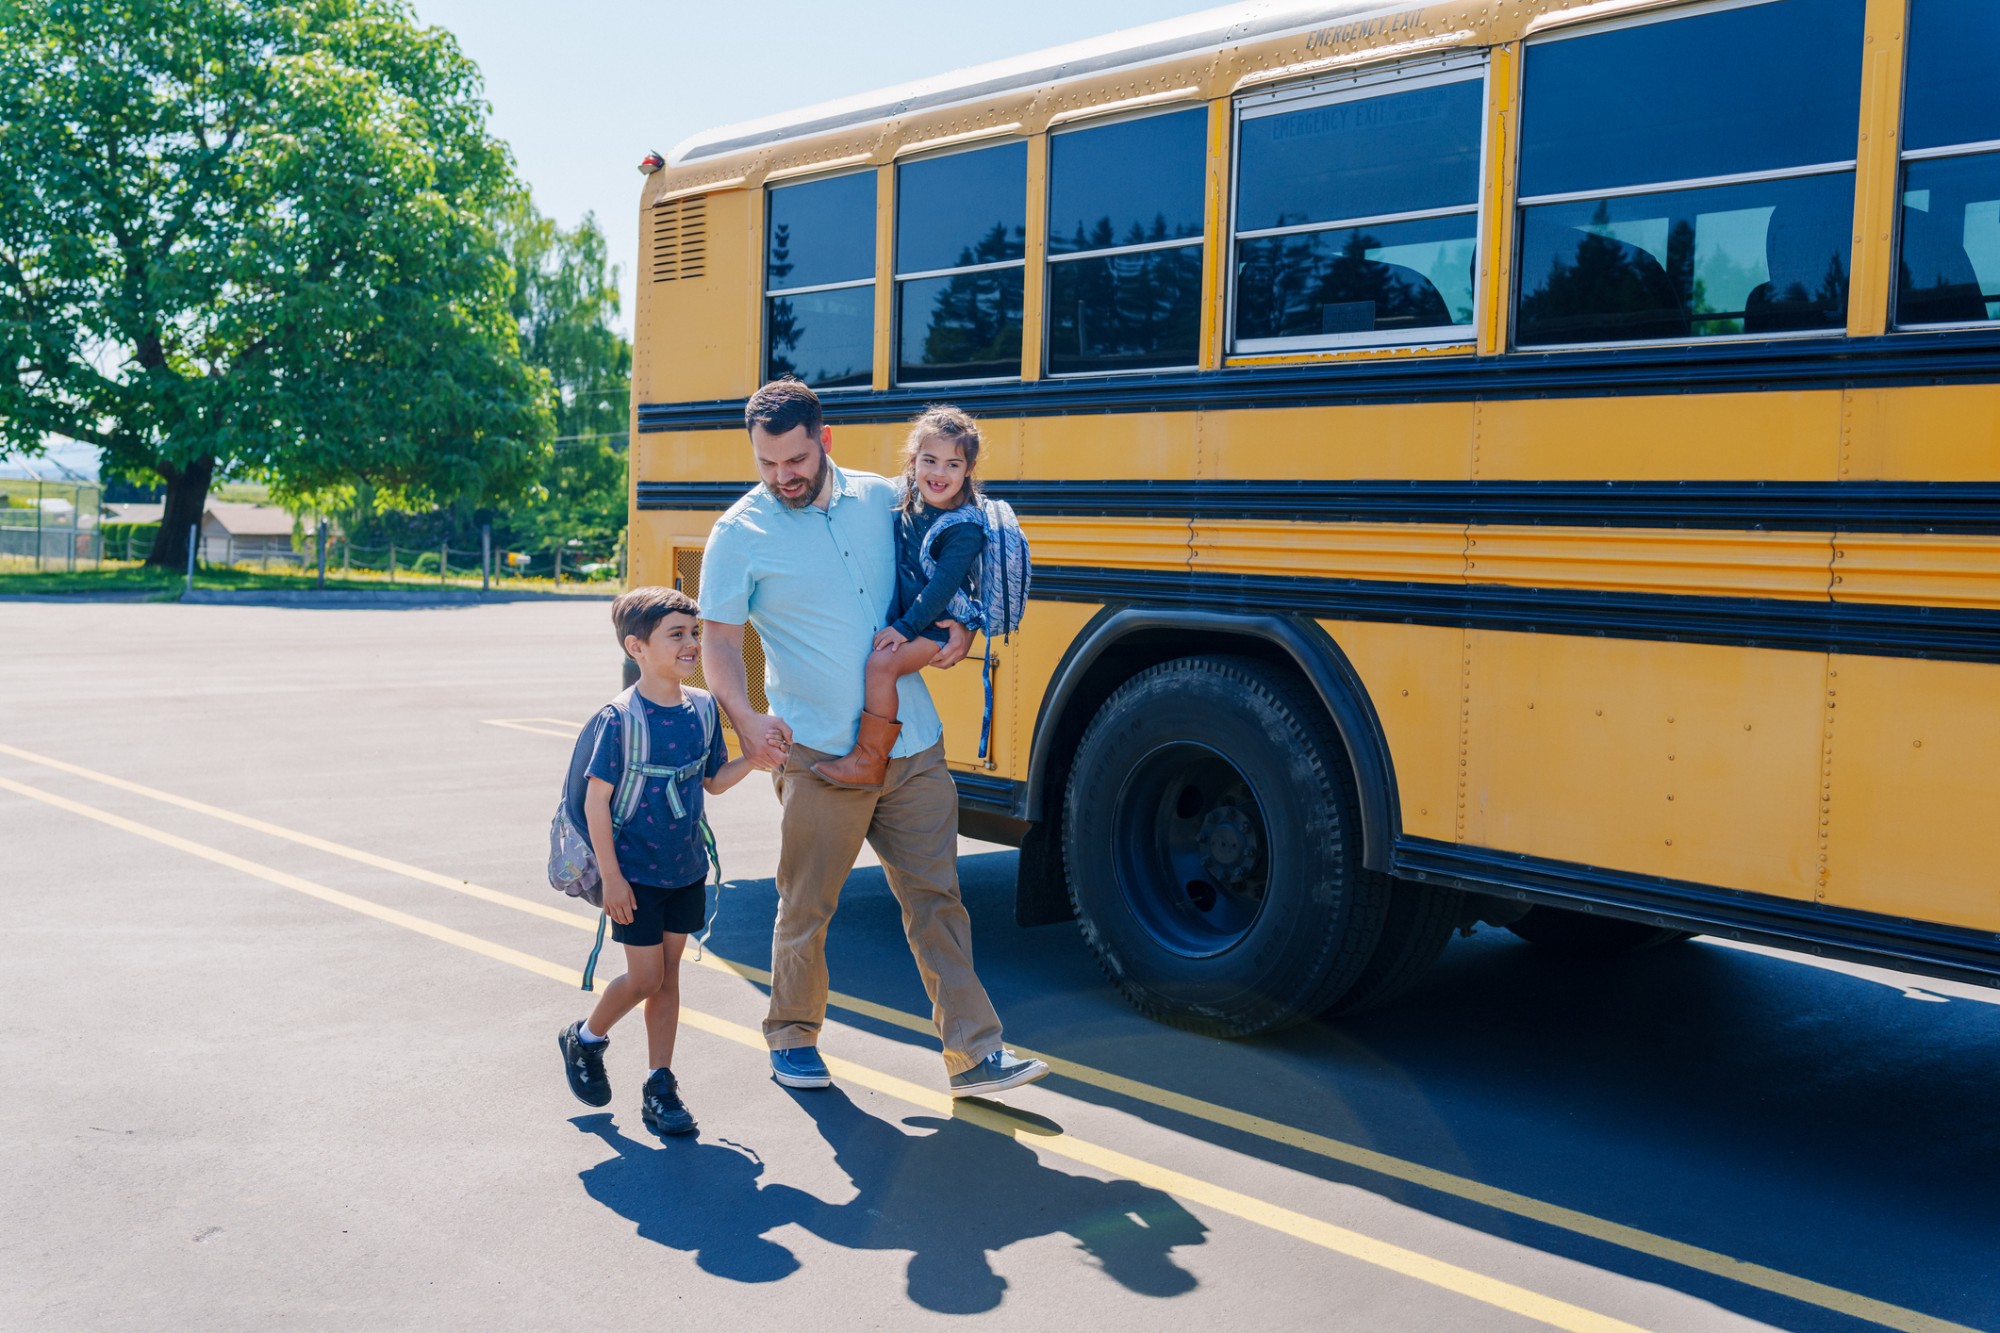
[[281, 979]]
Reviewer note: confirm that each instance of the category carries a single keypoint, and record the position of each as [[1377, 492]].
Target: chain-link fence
[[50, 525]]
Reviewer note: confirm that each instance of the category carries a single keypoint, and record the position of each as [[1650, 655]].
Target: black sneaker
[[583, 1063], [661, 1106]]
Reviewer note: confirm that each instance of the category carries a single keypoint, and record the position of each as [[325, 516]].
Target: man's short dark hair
[[640, 611], [784, 405]]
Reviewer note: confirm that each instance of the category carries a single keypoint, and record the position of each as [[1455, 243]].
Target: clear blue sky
[[582, 91]]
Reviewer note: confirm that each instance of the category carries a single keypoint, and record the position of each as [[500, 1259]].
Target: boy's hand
[[889, 638], [766, 740], [957, 645], [619, 904]]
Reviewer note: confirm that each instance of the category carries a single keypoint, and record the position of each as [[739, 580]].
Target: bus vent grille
[[680, 238], [687, 578]]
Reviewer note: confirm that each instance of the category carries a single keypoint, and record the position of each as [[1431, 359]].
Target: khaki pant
[[912, 823]]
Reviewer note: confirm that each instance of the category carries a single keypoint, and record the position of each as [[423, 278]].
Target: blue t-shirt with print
[[654, 848]]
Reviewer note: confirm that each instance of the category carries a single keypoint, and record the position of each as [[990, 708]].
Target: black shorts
[[657, 913]]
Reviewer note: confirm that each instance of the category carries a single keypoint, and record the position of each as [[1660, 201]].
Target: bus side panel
[[1776, 436], [1027, 668], [696, 336], [1404, 442], [1688, 761], [1913, 831], [1412, 675], [1924, 433], [1137, 444]]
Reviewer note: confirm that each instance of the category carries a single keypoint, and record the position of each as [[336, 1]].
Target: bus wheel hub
[[1229, 846]]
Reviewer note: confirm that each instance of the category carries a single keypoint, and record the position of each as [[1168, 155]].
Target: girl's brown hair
[[952, 426]]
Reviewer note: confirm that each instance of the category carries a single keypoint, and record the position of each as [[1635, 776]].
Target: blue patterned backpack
[[999, 595]]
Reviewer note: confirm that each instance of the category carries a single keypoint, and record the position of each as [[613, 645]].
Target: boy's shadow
[[701, 1197], [951, 1197], [957, 1194]]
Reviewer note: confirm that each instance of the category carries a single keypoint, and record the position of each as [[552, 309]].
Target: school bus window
[[1125, 238], [1678, 182], [1357, 212], [961, 245], [819, 281], [1948, 269]]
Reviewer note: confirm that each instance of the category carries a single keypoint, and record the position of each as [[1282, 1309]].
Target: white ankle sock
[[583, 1030]]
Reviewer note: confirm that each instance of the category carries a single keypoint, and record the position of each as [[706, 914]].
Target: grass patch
[[120, 577]]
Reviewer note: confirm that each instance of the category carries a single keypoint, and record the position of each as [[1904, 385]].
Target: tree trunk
[[187, 497]]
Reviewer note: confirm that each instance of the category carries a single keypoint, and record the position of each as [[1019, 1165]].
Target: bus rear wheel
[[1211, 848], [1587, 935]]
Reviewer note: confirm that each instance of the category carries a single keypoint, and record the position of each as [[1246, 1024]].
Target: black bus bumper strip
[[1954, 357], [1963, 508], [1945, 633], [1944, 951]]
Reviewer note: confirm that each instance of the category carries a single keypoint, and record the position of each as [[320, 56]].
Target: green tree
[[253, 237], [565, 305]]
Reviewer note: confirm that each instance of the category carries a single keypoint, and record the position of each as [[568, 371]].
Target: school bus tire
[[1588, 935], [1211, 848], [1420, 922]]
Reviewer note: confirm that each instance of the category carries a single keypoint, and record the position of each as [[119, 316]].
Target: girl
[[937, 484]]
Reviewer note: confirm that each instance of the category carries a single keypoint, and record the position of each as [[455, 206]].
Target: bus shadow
[[1820, 1123], [949, 1192]]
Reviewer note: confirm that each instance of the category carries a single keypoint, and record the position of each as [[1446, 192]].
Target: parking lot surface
[[282, 978]]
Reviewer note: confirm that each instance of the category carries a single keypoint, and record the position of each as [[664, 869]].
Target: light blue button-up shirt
[[818, 585]]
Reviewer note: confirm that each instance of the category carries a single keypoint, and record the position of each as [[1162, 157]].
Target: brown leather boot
[[867, 763]]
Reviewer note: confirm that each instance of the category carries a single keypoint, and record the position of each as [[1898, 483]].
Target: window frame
[[1521, 203], [1049, 260], [810, 289], [1460, 67], [896, 278], [1905, 156]]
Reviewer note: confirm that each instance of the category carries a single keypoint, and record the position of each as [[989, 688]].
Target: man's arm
[[958, 643], [765, 738]]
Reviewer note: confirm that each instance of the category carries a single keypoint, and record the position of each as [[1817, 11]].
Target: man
[[808, 558]]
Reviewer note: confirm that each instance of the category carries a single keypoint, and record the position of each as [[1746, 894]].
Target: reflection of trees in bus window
[[1948, 254], [961, 242], [965, 325], [1135, 310], [819, 281], [1406, 278]]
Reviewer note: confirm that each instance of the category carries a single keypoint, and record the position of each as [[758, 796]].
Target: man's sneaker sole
[[803, 1080], [1034, 1069], [562, 1044]]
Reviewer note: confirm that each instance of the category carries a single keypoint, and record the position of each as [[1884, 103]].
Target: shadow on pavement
[[1818, 1122], [951, 1193]]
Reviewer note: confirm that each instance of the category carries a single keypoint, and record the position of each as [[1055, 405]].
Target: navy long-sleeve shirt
[[920, 601]]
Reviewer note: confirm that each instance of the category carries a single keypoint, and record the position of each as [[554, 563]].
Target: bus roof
[[1208, 30]]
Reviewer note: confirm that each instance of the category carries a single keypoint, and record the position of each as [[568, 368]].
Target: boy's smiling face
[[672, 651]]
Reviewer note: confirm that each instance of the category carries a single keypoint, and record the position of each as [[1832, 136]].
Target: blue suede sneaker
[[800, 1067], [997, 1073]]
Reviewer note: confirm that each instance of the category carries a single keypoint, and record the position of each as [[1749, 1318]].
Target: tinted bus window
[[1625, 235], [1949, 86], [961, 241], [1948, 258], [1125, 242], [819, 281], [1357, 213]]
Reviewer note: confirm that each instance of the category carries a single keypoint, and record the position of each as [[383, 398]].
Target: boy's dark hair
[[640, 611], [783, 405]]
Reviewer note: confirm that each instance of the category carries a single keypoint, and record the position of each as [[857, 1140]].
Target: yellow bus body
[[1776, 725]]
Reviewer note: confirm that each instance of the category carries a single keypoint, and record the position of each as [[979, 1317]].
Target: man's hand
[[956, 646], [766, 740], [889, 638], [619, 903]]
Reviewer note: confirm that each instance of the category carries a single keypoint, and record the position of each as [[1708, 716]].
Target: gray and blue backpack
[[999, 594], [573, 867]]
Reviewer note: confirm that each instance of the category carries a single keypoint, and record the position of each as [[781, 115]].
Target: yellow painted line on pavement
[[1382, 1254], [1444, 1182], [522, 725]]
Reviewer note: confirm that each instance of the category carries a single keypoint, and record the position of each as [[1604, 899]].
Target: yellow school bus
[[1533, 461]]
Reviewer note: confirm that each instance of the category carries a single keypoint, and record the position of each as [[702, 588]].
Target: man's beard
[[811, 496]]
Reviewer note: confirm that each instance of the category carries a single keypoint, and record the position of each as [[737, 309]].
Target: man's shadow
[[951, 1196], [956, 1194]]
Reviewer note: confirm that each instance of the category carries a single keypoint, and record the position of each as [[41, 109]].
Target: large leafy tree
[[255, 237], [565, 305]]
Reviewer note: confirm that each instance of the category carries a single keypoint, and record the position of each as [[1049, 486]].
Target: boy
[[655, 868]]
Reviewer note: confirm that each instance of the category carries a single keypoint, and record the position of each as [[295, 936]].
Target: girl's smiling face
[[940, 472]]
